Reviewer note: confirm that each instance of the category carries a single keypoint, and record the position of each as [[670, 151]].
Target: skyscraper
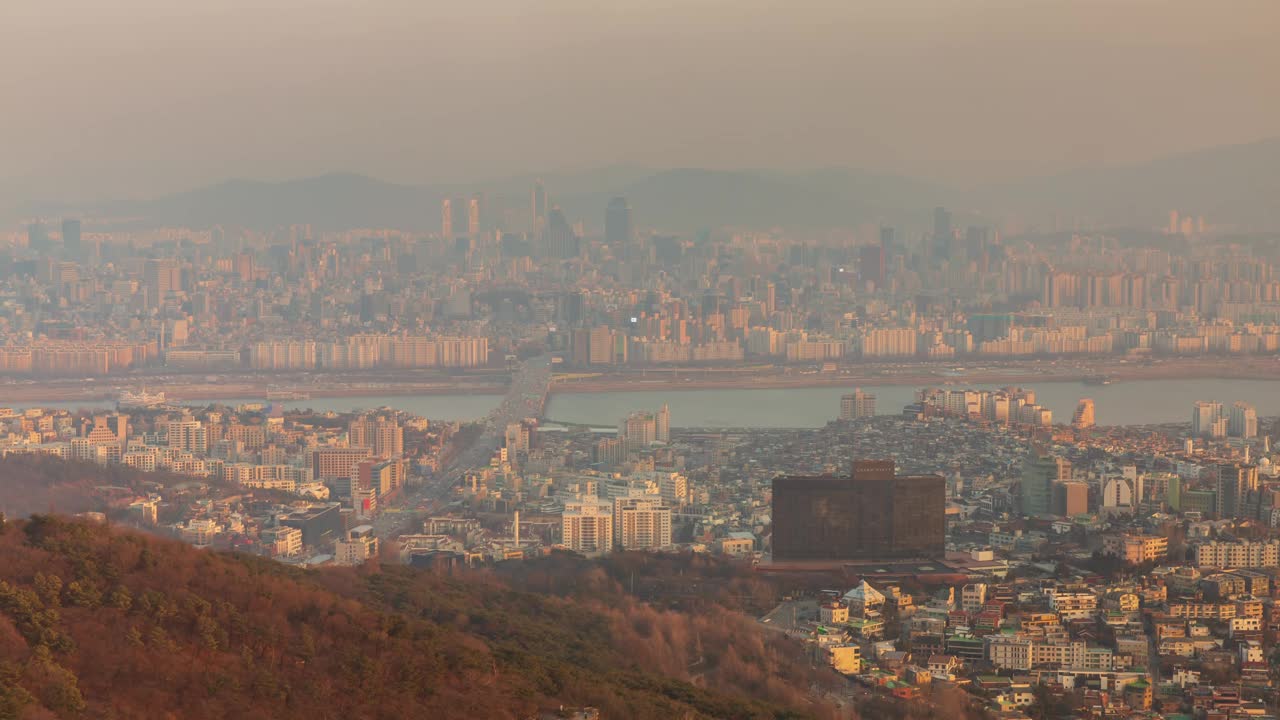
[[871, 514], [475, 215], [539, 206], [71, 235], [871, 264], [454, 217], [886, 238], [942, 232], [161, 276], [617, 223], [37, 237], [559, 238], [975, 240], [1039, 472]]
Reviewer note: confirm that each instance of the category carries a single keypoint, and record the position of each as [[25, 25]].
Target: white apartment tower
[[587, 527], [641, 523], [189, 435]]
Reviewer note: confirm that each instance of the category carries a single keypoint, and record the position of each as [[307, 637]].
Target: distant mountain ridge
[[333, 201], [1235, 184], [1230, 184]]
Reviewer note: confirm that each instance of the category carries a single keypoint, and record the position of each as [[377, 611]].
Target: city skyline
[[566, 360]]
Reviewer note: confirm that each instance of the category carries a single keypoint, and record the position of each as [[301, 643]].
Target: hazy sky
[[140, 97]]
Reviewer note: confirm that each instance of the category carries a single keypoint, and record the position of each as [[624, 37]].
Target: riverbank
[[184, 392], [239, 386]]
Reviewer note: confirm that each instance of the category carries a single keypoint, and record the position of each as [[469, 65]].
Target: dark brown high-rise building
[[871, 514]]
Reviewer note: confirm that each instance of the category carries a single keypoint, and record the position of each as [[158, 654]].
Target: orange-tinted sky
[[139, 97]]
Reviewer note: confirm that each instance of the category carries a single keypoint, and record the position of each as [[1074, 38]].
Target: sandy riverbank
[[178, 392], [691, 378]]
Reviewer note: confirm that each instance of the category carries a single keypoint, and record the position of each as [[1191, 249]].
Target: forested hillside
[[100, 622]]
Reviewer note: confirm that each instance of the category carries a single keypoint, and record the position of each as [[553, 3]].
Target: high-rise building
[[871, 264], [989, 326], [71, 235], [617, 223], [1243, 422], [189, 435], [857, 405], [1083, 417], [109, 428], [886, 239], [388, 438], [475, 215], [602, 346], [1204, 418], [942, 232], [1040, 471], [455, 216], [639, 430], [381, 476], [360, 432], [382, 435], [662, 425], [976, 238], [586, 526], [570, 309], [161, 276], [641, 523], [559, 239], [538, 201], [873, 513], [673, 488], [37, 237], [334, 463], [1070, 498], [1235, 482]]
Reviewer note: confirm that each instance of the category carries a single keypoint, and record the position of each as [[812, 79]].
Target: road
[[526, 398]]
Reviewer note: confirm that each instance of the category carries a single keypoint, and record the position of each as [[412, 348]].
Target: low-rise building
[[359, 545]]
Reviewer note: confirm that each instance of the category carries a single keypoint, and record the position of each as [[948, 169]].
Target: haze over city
[[560, 360], [138, 98]]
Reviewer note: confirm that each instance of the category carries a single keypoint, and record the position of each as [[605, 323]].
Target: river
[[1133, 402]]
